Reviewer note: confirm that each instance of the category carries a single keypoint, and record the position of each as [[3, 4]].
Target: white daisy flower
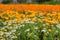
[[27, 30], [43, 31]]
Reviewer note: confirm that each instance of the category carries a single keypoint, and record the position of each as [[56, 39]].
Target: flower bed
[[30, 7], [29, 24]]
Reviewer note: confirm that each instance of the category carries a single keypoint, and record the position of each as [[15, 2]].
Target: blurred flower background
[[36, 22]]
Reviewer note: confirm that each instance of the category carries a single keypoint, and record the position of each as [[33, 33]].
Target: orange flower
[[8, 21], [34, 7]]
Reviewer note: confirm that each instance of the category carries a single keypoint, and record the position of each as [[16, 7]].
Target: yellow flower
[[47, 24], [34, 19], [14, 25], [49, 30], [1, 33], [47, 33], [0, 20], [6, 17]]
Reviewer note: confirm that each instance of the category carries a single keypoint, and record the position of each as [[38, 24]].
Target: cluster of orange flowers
[[30, 7], [11, 15]]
